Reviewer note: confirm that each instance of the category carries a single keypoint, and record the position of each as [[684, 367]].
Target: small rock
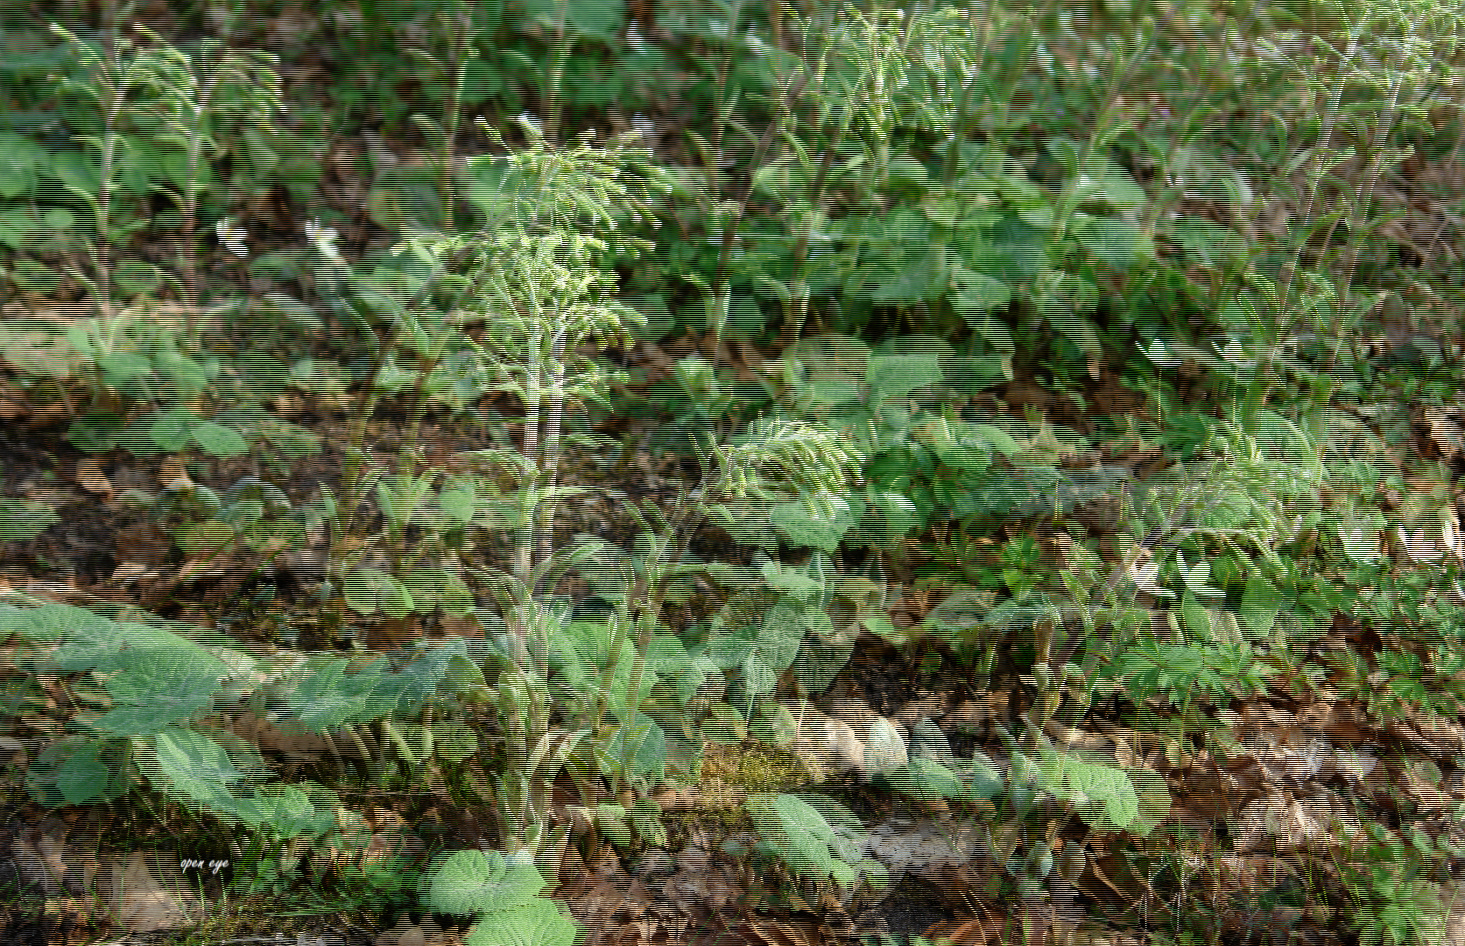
[[933, 705], [825, 742], [884, 747]]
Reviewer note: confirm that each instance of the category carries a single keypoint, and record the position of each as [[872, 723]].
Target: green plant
[[502, 894], [1396, 900], [814, 836], [198, 97]]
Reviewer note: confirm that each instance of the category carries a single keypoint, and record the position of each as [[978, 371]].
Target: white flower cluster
[[232, 237], [323, 239]]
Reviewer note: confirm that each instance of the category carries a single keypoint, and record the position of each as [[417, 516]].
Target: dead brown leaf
[[89, 476]]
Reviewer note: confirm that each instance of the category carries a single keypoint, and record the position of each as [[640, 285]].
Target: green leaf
[[1206, 241], [171, 430], [977, 293], [194, 765], [798, 830], [83, 777], [285, 811], [469, 882], [724, 725], [987, 780], [1260, 605], [22, 520], [154, 696], [431, 588], [368, 591], [639, 746], [799, 526], [1197, 619], [219, 441], [459, 502], [925, 779], [1113, 241], [536, 923], [898, 375], [1102, 795], [96, 433], [328, 696], [452, 741]]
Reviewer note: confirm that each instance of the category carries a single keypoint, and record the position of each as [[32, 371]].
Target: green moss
[[754, 768]]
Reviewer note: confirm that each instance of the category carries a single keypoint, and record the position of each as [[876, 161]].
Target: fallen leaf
[[141, 903], [89, 476], [173, 473]]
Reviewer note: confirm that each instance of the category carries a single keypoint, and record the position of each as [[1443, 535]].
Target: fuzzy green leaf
[[469, 882], [536, 923], [22, 520], [219, 441], [195, 766]]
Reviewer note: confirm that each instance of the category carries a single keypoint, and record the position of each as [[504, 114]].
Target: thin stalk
[[556, 76], [552, 447], [189, 249], [714, 177], [1325, 143], [798, 305], [729, 233], [963, 117], [113, 111], [447, 189], [353, 469], [530, 447], [1381, 134]]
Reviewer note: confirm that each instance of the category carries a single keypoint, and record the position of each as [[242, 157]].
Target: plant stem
[[552, 447], [561, 56], [447, 188]]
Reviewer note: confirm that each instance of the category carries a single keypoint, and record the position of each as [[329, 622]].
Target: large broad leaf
[[834, 368], [820, 659], [432, 588], [1259, 607], [51, 622], [22, 520], [406, 690], [469, 882], [537, 923], [329, 696], [218, 441], [974, 294], [1113, 241], [899, 375], [813, 835], [195, 766], [639, 749], [96, 643], [83, 777], [285, 812], [798, 525], [925, 779], [1206, 241], [156, 692], [369, 590], [1102, 795], [170, 431], [1011, 252], [601, 19]]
